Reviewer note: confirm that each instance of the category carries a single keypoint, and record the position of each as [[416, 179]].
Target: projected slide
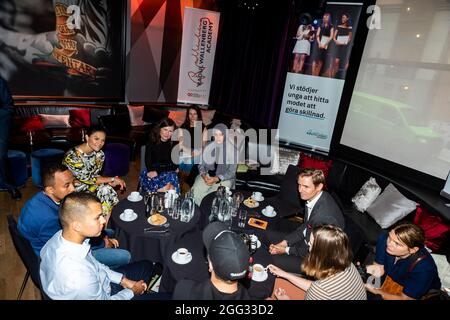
[[400, 108], [314, 83]]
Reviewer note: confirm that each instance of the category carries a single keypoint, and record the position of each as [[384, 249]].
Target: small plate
[[274, 213], [259, 200], [135, 200], [249, 204], [264, 277], [159, 222], [133, 217], [174, 258]]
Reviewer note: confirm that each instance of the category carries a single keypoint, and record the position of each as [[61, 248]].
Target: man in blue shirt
[[6, 113], [401, 256], [39, 219]]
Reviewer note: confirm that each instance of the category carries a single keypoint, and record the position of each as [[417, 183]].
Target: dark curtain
[[252, 54]]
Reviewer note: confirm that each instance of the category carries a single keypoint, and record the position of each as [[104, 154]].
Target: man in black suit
[[320, 208]]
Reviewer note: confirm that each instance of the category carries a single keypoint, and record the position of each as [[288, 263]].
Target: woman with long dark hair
[[342, 38], [161, 173], [192, 138]]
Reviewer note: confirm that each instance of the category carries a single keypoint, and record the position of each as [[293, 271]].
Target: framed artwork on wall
[[63, 49]]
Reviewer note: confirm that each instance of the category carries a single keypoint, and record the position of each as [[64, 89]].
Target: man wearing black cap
[[228, 259]]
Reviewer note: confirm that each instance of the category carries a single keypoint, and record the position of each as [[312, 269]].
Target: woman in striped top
[[330, 263]]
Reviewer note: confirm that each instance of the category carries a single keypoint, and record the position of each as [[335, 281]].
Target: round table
[[148, 245]]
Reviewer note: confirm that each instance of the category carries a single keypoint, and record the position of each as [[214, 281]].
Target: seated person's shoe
[[15, 193]]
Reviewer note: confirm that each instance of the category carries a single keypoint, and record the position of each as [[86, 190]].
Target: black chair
[[287, 201], [29, 258]]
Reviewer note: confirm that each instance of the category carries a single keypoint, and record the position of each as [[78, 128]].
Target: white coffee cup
[[269, 210], [259, 271], [134, 195], [128, 213], [254, 241], [257, 195], [183, 254]]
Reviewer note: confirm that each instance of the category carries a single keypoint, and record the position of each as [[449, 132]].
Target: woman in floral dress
[[86, 162]]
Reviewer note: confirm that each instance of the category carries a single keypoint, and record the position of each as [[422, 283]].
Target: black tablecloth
[[148, 246], [273, 222]]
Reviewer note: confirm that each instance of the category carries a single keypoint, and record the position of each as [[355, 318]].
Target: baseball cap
[[228, 254]]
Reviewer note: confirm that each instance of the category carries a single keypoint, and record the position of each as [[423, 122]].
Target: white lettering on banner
[[198, 48], [309, 111]]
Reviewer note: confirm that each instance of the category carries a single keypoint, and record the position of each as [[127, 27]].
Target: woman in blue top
[[402, 256]]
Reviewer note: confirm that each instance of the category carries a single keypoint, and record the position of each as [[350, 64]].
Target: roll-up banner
[[321, 51], [198, 48]]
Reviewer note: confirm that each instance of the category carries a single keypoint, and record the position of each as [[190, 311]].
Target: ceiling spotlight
[[418, 35], [408, 9], [405, 88]]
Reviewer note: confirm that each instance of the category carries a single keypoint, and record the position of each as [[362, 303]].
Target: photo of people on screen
[[324, 43], [302, 49]]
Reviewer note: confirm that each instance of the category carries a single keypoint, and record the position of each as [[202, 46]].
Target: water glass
[[176, 209], [242, 218]]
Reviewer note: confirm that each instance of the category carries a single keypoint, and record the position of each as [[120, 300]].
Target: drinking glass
[[238, 197], [242, 218]]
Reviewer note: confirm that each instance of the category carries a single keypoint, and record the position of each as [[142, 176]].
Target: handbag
[[393, 287]]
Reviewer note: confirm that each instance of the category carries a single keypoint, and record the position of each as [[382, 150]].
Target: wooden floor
[[12, 271]]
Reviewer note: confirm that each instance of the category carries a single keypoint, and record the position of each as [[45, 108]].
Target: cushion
[[283, 159], [307, 161], [79, 118], [178, 116], [207, 116], [153, 115], [136, 114], [443, 267], [366, 195], [436, 230], [32, 123], [55, 120], [390, 207]]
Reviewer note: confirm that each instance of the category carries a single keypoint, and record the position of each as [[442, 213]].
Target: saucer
[[135, 200], [249, 202], [274, 213], [262, 279], [157, 220], [258, 244], [133, 217], [259, 200], [174, 258]]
